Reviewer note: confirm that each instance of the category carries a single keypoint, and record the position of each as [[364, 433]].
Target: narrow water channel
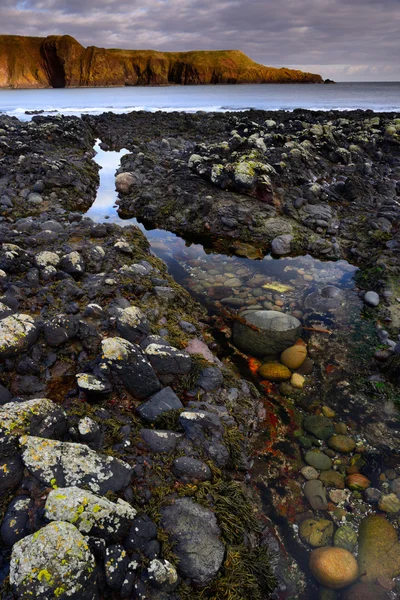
[[323, 296]]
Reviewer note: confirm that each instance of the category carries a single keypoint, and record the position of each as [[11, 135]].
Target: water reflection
[[299, 285]]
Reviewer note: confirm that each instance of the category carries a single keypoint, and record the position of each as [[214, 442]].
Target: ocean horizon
[[378, 96]]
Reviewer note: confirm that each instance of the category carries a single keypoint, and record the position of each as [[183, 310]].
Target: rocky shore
[[153, 450]]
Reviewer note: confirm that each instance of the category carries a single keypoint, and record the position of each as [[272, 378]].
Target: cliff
[[60, 61]]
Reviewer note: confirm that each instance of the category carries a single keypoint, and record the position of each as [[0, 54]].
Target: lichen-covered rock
[[15, 524], [47, 259], [14, 259], [17, 333], [196, 535], [93, 386], [40, 417], [127, 362], [132, 324], [11, 470], [167, 360], [268, 332], [64, 464], [73, 264], [162, 575], [89, 513], [60, 329], [53, 563], [116, 563]]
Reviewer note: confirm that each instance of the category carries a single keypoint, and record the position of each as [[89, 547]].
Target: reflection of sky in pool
[[234, 282]]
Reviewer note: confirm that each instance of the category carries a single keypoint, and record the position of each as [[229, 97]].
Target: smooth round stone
[[335, 568], [297, 381], [357, 482], [294, 356], [341, 443], [328, 412], [389, 503], [371, 298], [316, 532], [267, 332], [345, 537], [395, 486], [318, 460], [319, 426], [378, 549], [332, 478], [372, 495], [365, 591], [338, 496], [306, 368], [285, 389], [274, 372], [309, 473], [315, 493], [340, 428], [281, 245]]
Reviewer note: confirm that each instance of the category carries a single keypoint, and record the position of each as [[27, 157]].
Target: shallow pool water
[[233, 283]]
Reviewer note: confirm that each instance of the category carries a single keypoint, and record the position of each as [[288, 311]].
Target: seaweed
[[246, 573]]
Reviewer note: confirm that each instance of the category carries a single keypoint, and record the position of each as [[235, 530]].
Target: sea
[[379, 97]]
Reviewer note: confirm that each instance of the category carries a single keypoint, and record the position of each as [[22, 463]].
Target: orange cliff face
[[60, 61]]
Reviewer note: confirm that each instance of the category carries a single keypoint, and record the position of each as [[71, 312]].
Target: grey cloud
[[343, 39]]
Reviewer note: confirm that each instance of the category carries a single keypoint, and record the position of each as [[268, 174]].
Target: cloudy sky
[[346, 40]]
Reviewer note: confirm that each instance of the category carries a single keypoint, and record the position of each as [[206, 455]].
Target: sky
[[344, 40]]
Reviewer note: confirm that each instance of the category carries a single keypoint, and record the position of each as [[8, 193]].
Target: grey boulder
[[266, 332], [196, 535]]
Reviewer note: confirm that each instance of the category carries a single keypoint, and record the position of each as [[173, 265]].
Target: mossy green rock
[[319, 426], [318, 460], [341, 443], [316, 532], [274, 372], [345, 537], [55, 562], [333, 479], [378, 549]]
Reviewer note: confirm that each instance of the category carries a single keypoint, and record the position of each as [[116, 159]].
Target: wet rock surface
[[118, 388]]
